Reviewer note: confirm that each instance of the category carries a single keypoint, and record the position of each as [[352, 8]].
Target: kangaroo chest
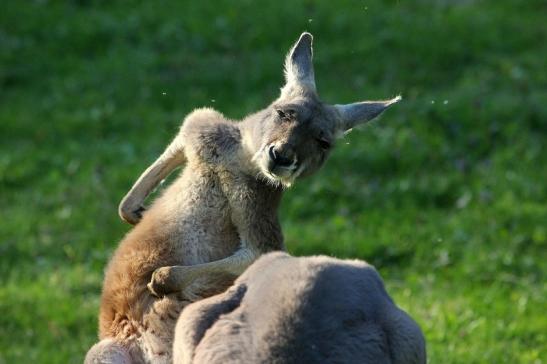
[[203, 230]]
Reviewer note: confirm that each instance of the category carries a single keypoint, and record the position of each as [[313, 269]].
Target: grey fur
[[218, 216], [300, 310], [359, 112]]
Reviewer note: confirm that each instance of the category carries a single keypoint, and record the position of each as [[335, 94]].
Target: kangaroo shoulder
[[210, 136]]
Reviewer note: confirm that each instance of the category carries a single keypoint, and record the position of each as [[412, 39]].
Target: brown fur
[[219, 215]]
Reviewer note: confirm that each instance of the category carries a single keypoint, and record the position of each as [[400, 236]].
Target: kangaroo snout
[[280, 158]]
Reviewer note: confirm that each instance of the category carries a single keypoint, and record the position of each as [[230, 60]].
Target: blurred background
[[446, 194]]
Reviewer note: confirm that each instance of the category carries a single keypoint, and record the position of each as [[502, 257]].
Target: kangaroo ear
[[351, 115], [299, 65]]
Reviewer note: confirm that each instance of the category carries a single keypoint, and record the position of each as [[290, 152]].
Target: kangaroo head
[[296, 133]]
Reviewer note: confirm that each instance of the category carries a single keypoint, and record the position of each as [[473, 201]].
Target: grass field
[[446, 194]]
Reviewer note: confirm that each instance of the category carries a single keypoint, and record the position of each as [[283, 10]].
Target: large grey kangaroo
[[287, 310], [220, 214]]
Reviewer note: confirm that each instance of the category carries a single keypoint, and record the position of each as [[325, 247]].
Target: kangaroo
[[286, 310], [220, 214]]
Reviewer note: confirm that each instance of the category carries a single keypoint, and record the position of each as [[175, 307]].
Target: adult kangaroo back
[[300, 310], [219, 215]]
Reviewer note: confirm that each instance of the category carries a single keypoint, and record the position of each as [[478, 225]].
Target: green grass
[[447, 198]]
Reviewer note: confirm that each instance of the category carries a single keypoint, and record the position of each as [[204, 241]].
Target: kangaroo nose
[[278, 159]]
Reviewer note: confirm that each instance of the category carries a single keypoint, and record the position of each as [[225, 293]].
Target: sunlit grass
[[445, 194]]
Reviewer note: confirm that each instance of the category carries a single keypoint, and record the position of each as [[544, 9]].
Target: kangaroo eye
[[323, 143], [286, 114]]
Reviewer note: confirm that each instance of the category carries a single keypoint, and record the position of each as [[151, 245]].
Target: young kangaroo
[[219, 215]]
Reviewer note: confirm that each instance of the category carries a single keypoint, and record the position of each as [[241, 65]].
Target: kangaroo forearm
[[176, 278], [132, 204], [234, 264]]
